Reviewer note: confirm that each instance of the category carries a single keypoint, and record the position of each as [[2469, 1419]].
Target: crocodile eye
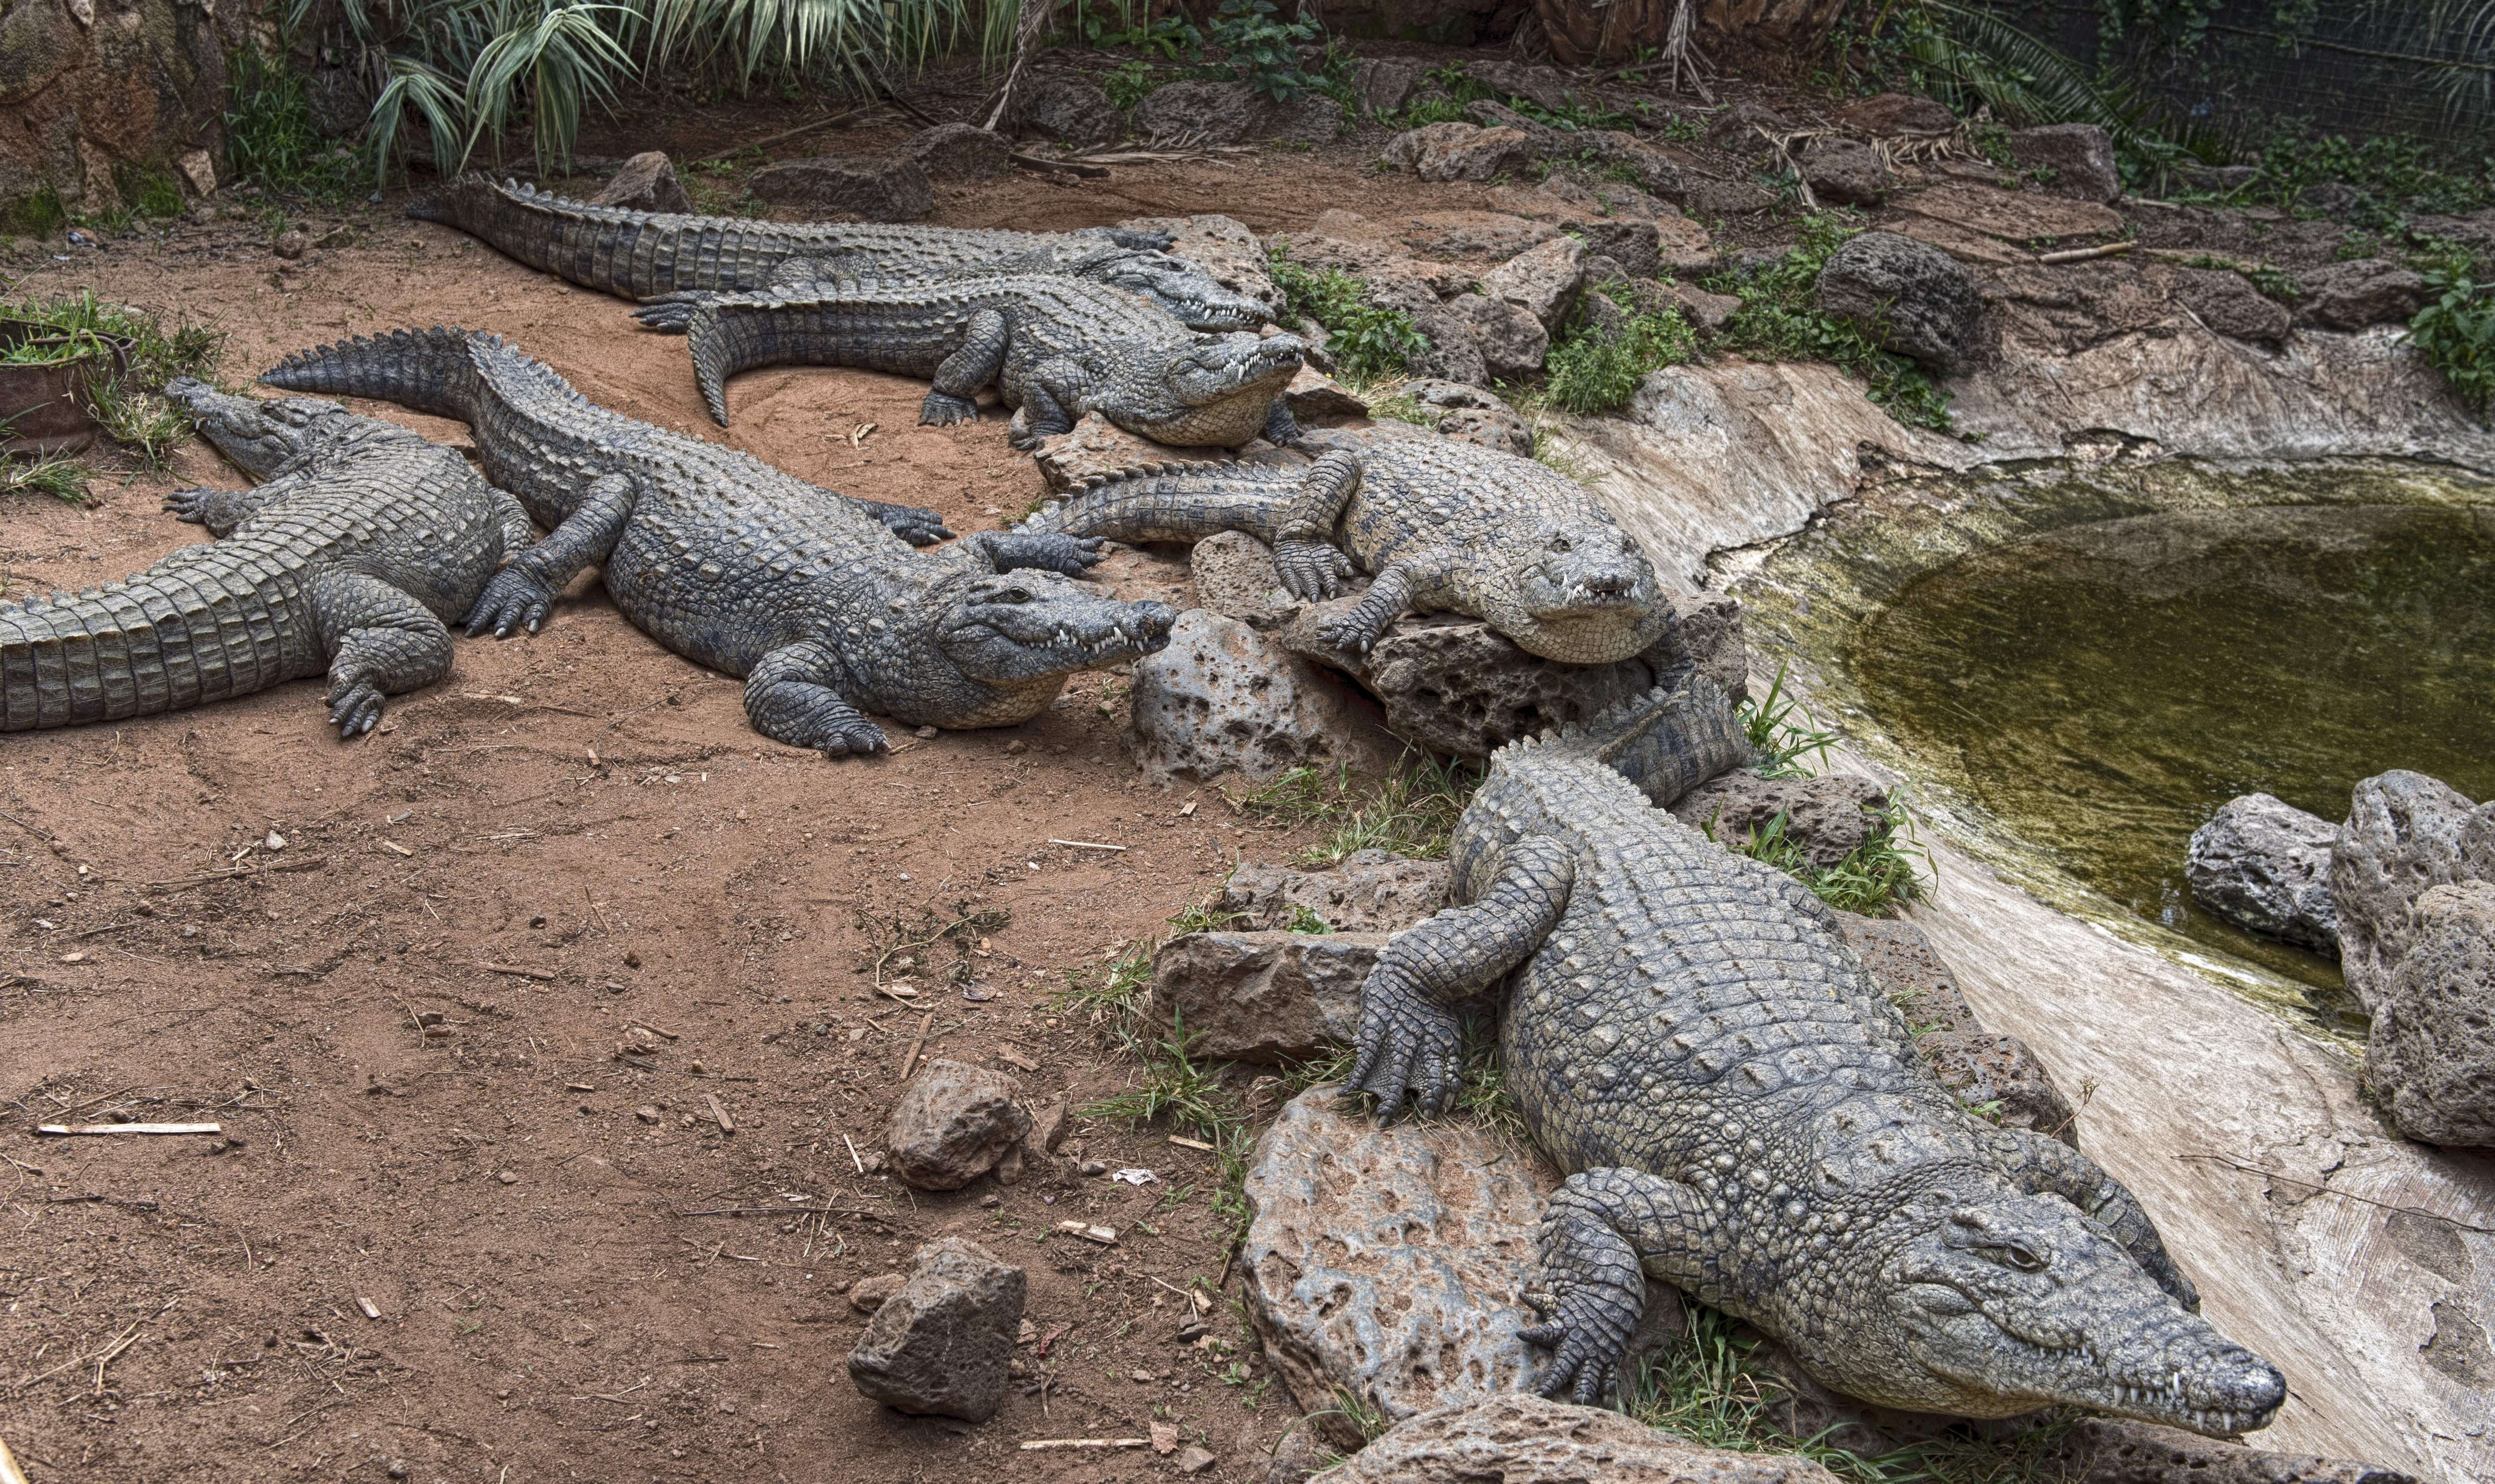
[[2023, 1258], [1560, 543], [1014, 596]]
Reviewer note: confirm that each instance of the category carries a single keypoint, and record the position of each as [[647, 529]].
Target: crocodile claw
[[670, 314], [914, 524], [190, 505], [354, 708], [1407, 1043], [1310, 569], [942, 410], [844, 739], [1346, 633], [1585, 1326], [1047, 551], [511, 600]]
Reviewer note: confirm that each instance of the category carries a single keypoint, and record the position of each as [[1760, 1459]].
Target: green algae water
[[2103, 687]]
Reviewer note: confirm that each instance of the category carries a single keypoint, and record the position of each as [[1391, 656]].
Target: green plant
[[1368, 342], [39, 213], [1171, 1085], [1121, 24], [128, 406], [1780, 319], [149, 193], [271, 138], [2455, 333], [1129, 85], [1261, 49], [1305, 921], [1596, 370], [1874, 876], [1779, 740], [1411, 813], [58, 475]]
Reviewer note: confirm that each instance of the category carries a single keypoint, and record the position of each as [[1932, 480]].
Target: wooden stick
[[1038, 1443], [853, 1155], [766, 142], [371, 1310], [236, 873], [1086, 846], [1035, 162], [2082, 255], [719, 1114], [1106, 1236], [921, 1040], [513, 969], [66, 1129]]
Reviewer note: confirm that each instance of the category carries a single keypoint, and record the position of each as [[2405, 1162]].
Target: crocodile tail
[[1176, 501], [1666, 742], [184, 633], [637, 254], [428, 371]]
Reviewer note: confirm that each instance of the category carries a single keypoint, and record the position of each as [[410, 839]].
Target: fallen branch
[[9, 1472], [513, 969], [66, 1129], [916, 1044], [1037, 1444], [2082, 255], [1086, 846], [1069, 166], [236, 873]]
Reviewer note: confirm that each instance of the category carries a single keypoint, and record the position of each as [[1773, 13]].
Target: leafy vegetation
[[1781, 732], [1261, 49], [1779, 319], [1596, 370], [271, 137], [1368, 342], [1411, 813], [2455, 332], [128, 408], [1874, 876], [58, 475]]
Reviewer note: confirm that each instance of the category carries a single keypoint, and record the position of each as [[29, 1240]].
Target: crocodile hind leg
[[1406, 1040], [222, 510], [520, 594], [2044, 1165], [959, 376], [788, 698], [1042, 416], [1047, 551], [1606, 1229], [381, 642], [1308, 564]]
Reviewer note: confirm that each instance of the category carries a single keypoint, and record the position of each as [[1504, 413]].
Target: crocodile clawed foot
[[848, 739], [1309, 571], [1406, 1044], [670, 314], [354, 708], [1348, 633], [190, 505], [915, 524], [510, 601], [942, 410]]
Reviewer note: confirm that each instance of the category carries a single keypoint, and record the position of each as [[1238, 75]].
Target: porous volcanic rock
[[1455, 151], [1067, 110], [1233, 575], [942, 1344], [1844, 173], [1205, 112], [2072, 160], [647, 182], [874, 188], [1472, 414], [2110, 1450], [2353, 296], [1223, 698], [1542, 281], [1522, 1438], [2432, 1048], [1913, 298], [1385, 84], [1372, 891], [1262, 996], [2263, 864], [1983, 1069], [954, 1123], [2405, 834], [2222, 300], [1509, 340], [1829, 817], [959, 151]]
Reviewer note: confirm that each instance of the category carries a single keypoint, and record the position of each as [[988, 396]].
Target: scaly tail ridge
[[1178, 503], [162, 641], [429, 371]]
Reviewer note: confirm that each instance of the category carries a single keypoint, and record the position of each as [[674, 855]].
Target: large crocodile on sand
[[1441, 523], [735, 564], [644, 255], [1742, 1114], [1057, 347], [347, 559]]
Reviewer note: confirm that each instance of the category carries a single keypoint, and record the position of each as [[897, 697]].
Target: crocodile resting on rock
[[1743, 1116], [825, 613], [1057, 347], [1441, 523], [361, 541], [644, 255]]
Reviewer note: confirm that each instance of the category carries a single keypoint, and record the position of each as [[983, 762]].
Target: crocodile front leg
[[1604, 1231], [381, 642], [1389, 598], [2044, 1165], [914, 524], [959, 376], [1304, 557], [1046, 551], [789, 698], [1282, 428], [222, 510], [521, 593], [1406, 1040]]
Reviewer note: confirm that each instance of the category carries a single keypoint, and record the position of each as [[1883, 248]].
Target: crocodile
[[822, 610], [1741, 1114], [1440, 523], [360, 541], [1057, 347], [644, 255]]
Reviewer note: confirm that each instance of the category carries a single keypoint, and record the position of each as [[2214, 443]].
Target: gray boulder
[[2353, 296], [954, 1123], [2405, 833], [1454, 151], [1460, 688], [2229, 305], [1996, 1075], [2431, 1052], [1384, 85], [1372, 892], [1543, 281], [1829, 817], [1067, 110], [1311, 118], [1204, 113], [2262, 863], [1844, 173], [1471, 413], [1222, 698], [1509, 338], [1522, 1438], [1911, 296], [1233, 575], [2075, 159], [1262, 996], [647, 182], [942, 1346], [959, 151], [871, 187], [2108, 1450]]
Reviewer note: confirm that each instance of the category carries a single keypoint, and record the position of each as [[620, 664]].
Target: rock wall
[[96, 97]]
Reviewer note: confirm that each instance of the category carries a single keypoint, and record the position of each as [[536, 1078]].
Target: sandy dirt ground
[[408, 1022]]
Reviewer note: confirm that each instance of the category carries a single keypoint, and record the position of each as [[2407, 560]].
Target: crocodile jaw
[[257, 438], [1219, 391], [1192, 298], [1025, 628], [1999, 1303]]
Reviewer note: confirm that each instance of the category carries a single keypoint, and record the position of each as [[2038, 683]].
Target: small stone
[[1543, 281], [646, 1113], [1268, 997], [2264, 865], [507, 1178], [923, 732], [274, 841], [647, 182], [1829, 817], [1067, 110], [867, 1294], [290, 245], [953, 1123], [1017, 747], [942, 1344], [1844, 173], [1222, 698], [1372, 891], [1193, 1459], [1094, 1169]]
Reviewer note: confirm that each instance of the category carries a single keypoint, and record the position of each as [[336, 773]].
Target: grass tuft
[[1598, 370], [1782, 741], [1780, 320], [58, 475], [129, 408], [271, 138], [1411, 813], [1368, 344]]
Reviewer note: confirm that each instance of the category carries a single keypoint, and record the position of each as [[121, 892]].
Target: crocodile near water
[[1742, 1115], [824, 612], [361, 540], [643, 255], [1057, 347], [1441, 523]]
